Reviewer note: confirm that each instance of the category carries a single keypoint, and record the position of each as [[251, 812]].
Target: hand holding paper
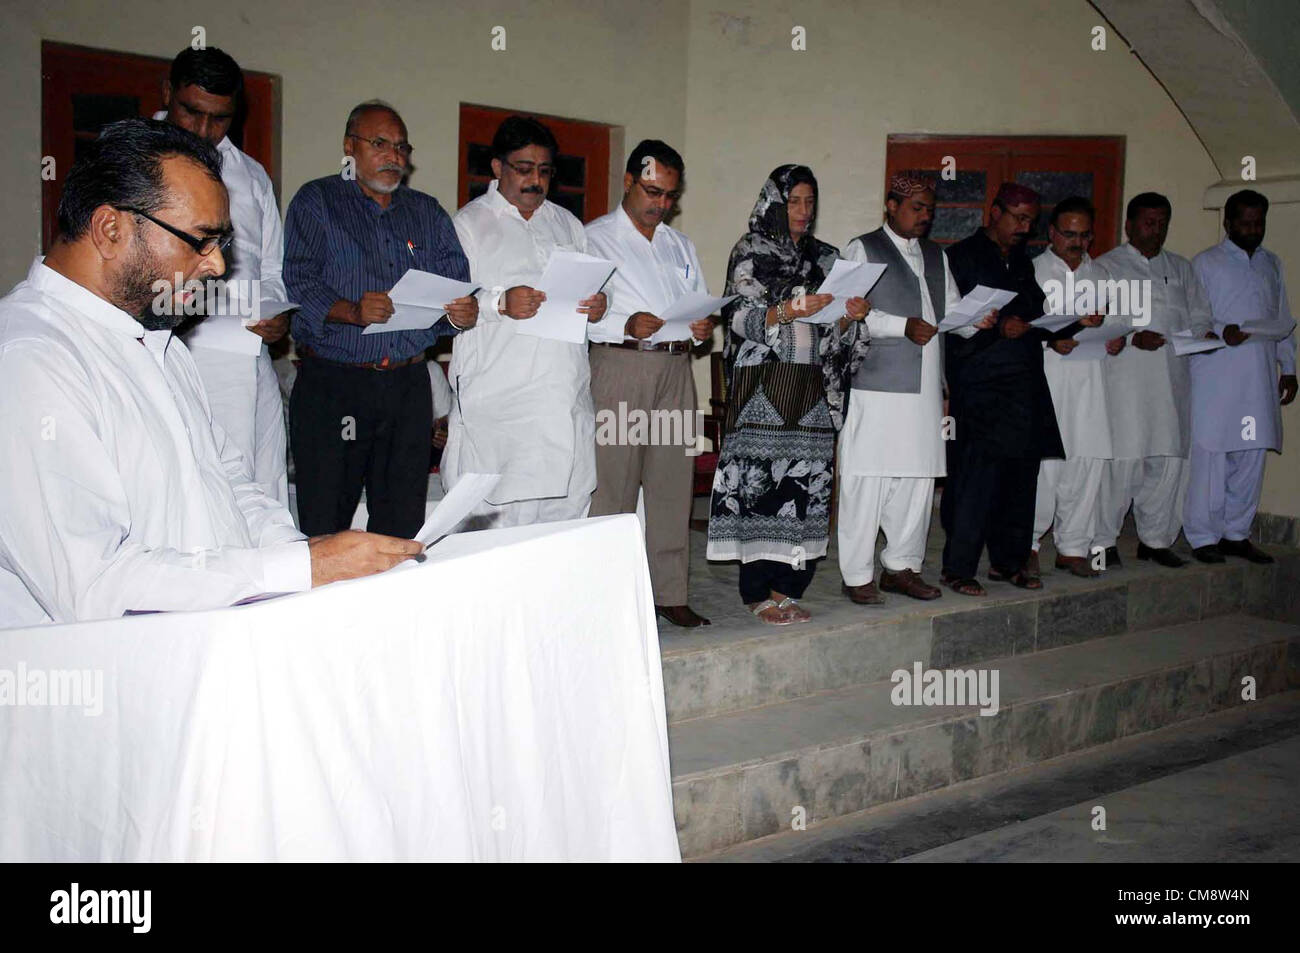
[[418, 299], [470, 490], [569, 278], [974, 306], [847, 279], [681, 314]]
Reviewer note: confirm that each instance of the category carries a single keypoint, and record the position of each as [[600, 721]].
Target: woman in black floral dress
[[772, 489]]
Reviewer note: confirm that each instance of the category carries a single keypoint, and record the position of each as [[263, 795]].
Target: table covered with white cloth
[[501, 701]]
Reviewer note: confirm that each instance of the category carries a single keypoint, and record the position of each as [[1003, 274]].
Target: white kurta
[[243, 390], [899, 435], [651, 275], [120, 493], [1078, 387], [1149, 392], [523, 404], [1232, 383]]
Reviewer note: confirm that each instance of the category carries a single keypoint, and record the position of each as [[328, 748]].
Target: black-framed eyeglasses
[[526, 169], [658, 193], [380, 144], [203, 245]]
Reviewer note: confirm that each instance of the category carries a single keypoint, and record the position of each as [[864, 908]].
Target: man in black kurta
[[998, 396]]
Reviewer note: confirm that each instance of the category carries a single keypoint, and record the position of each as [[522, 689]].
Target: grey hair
[[368, 106]]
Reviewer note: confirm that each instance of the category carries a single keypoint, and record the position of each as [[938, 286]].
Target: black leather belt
[[668, 347], [385, 365]]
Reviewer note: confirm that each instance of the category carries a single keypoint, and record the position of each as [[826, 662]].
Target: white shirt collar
[[908, 246], [84, 301], [1065, 264], [625, 222], [503, 206]]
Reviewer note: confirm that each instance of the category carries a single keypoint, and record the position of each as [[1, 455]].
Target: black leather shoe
[[1245, 549], [1208, 554], [684, 616], [1164, 557], [1112, 558]]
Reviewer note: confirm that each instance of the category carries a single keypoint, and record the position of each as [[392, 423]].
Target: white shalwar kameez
[[523, 404]]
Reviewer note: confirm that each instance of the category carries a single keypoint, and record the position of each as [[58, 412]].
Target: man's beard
[[133, 290]]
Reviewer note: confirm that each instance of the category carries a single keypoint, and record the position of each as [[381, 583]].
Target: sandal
[[1021, 579], [969, 586], [797, 612], [780, 617]]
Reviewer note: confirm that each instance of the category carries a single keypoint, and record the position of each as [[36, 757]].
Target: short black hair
[[520, 132], [1147, 200], [211, 69], [1246, 198], [656, 149], [1074, 205], [124, 166]]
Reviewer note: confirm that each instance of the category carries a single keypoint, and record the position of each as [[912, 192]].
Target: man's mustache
[[532, 190], [390, 167]]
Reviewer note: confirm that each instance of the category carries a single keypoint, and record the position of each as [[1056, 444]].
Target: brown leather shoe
[[908, 583], [1076, 566], [866, 595], [684, 616]]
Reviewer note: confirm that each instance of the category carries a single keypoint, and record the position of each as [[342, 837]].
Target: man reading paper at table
[[657, 265], [120, 493], [523, 403]]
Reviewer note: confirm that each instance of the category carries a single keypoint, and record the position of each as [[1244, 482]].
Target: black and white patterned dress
[[772, 488]]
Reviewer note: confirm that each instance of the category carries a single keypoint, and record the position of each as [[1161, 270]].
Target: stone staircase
[[769, 725]]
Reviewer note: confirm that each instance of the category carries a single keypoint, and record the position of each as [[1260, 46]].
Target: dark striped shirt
[[339, 243]]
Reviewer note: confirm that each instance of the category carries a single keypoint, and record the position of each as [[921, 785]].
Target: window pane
[[966, 187], [571, 171], [954, 224], [1054, 187], [91, 112], [573, 201], [480, 159]]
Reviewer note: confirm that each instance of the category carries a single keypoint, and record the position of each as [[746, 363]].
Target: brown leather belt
[[668, 347], [384, 365]]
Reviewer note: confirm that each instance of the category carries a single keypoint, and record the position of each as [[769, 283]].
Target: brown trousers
[[627, 459]]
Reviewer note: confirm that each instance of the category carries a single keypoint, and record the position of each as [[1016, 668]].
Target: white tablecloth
[[502, 701]]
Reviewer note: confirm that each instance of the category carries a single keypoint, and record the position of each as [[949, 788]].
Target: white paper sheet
[[229, 332], [690, 307], [1188, 342], [1272, 331], [470, 490], [1093, 349], [847, 279], [569, 277], [1054, 322], [980, 301], [418, 299]]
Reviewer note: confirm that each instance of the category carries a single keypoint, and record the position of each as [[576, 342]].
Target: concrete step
[[742, 775], [738, 663], [1159, 806]]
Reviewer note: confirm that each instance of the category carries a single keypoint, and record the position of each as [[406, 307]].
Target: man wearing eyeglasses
[[201, 96], [119, 492], [523, 404], [361, 413], [656, 266]]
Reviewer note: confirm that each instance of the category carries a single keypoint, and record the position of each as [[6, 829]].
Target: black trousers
[[352, 428], [758, 579], [987, 499]]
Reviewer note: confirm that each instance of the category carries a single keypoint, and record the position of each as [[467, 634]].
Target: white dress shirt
[[900, 435], [1149, 392], [1232, 383], [651, 275], [120, 494], [1078, 387], [523, 404]]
